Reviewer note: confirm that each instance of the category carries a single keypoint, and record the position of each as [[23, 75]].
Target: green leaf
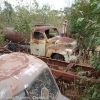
[[80, 20], [97, 8], [94, 95], [82, 79]]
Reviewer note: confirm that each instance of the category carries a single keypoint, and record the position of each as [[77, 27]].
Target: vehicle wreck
[[45, 41], [23, 76]]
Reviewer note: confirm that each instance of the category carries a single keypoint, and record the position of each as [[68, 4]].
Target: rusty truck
[[45, 41]]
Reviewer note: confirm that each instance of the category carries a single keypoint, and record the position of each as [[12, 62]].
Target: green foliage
[[2, 34], [84, 18], [23, 18], [96, 61], [91, 92], [85, 22], [1, 39], [7, 14], [22, 23]]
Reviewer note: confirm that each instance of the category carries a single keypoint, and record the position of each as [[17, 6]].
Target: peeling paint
[[17, 71]]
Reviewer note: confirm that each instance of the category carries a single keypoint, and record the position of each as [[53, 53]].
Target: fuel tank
[[14, 37]]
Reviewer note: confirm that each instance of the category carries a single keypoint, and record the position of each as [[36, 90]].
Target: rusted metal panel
[[62, 40], [67, 53], [64, 46], [17, 71], [57, 50], [65, 75], [69, 71], [4, 50], [11, 35], [63, 64], [38, 47], [71, 77], [65, 40], [52, 40], [43, 28]]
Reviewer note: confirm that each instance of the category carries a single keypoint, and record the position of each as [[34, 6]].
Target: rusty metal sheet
[[69, 71], [56, 48], [13, 63], [53, 40], [37, 41], [76, 48], [62, 40], [71, 77], [65, 75], [15, 37], [44, 28], [65, 40], [4, 50], [17, 71], [38, 47], [63, 64]]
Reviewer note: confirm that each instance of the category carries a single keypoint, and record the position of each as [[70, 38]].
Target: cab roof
[[17, 71], [43, 28]]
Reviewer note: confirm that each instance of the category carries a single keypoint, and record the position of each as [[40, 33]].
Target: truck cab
[[46, 41], [26, 77]]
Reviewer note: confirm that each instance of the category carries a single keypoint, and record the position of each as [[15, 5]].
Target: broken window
[[38, 35]]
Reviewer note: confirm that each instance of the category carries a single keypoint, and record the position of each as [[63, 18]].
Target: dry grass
[[73, 91]]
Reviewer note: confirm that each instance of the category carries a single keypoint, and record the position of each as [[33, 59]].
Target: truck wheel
[[13, 48], [58, 57]]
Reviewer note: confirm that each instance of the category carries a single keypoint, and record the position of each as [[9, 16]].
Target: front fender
[[57, 50], [67, 53]]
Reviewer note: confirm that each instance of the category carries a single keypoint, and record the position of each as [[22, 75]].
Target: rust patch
[[37, 41], [56, 48], [37, 49], [68, 54], [65, 40], [53, 39], [4, 50], [16, 37], [12, 65], [65, 75], [15, 85], [44, 28], [14, 89]]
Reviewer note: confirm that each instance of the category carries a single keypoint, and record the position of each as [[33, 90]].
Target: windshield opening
[[51, 33]]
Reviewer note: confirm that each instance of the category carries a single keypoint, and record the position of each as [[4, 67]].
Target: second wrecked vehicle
[[46, 41], [25, 77]]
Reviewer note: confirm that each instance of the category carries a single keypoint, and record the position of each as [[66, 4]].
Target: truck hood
[[62, 40]]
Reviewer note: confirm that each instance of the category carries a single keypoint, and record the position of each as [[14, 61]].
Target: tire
[[58, 57], [13, 48]]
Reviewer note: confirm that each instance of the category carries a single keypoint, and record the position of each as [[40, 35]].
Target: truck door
[[37, 44]]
